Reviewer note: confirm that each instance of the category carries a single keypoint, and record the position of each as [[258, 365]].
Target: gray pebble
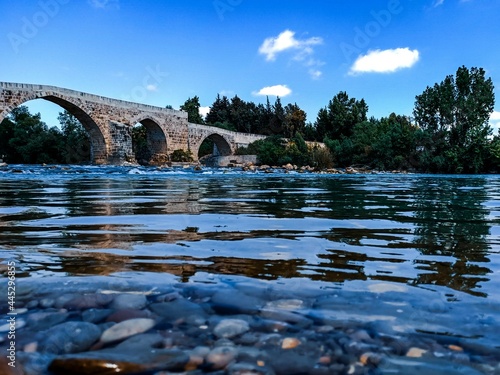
[[129, 301], [229, 328], [69, 337]]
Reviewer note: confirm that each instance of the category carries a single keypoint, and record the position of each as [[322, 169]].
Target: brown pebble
[[365, 357], [290, 343], [455, 348], [261, 363], [415, 352], [31, 347], [325, 360]]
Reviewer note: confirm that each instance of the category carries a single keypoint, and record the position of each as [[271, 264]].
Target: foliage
[[76, 140], [140, 144], [181, 156], [206, 148], [192, 107], [24, 138], [454, 116], [339, 117], [321, 158], [247, 117]]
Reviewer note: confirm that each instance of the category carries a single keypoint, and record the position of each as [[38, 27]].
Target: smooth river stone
[[127, 314], [229, 302], [220, 357], [126, 329], [88, 301], [44, 320], [69, 337], [129, 301], [179, 309], [229, 328]]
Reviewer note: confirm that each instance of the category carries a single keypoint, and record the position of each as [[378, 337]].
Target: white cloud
[[438, 3], [287, 41], [385, 61], [103, 4], [315, 74], [277, 90], [495, 116], [152, 88], [204, 111], [495, 122]]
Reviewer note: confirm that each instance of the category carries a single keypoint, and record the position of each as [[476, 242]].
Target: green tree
[[454, 116], [192, 107], [76, 140], [31, 141], [219, 111], [140, 145], [294, 121], [278, 118], [338, 118]]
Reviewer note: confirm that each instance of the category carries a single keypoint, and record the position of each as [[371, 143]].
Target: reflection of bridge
[[109, 123]]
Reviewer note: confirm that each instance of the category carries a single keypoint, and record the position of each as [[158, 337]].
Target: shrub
[[181, 156]]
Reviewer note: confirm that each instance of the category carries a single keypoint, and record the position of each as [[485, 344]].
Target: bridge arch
[[156, 138], [98, 146], [220, 142]]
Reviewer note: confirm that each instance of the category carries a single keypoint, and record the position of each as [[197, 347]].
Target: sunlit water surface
[[418, 253]]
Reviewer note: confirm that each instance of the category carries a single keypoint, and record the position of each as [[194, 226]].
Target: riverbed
[[224, 271]]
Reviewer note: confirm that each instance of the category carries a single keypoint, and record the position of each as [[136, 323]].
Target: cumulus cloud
[[277, 90], [495, 116], [287, 41], [203, 111], [385, 61]]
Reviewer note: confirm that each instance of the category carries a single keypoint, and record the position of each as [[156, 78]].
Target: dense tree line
[[25, 139], [247, 117], [450, 131]]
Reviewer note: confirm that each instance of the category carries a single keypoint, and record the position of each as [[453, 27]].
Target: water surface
[[418, 253]]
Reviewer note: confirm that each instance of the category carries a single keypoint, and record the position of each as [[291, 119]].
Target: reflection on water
[[417, 230], [414, 233]]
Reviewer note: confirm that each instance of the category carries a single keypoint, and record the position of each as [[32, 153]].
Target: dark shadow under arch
[[156, 141], [222, 147]]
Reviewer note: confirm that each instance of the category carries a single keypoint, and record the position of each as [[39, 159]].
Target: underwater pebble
[[69, 337], [129, 301], [126, 329], [229, 328]]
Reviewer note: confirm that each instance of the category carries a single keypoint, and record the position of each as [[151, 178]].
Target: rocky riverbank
[[112, 328]]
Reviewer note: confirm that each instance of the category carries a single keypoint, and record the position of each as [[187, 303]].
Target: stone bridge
[[109, 123]]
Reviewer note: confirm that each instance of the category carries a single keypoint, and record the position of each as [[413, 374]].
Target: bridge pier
[[120, 148]]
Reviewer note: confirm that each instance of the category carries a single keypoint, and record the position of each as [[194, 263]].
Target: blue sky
[[162, 52]]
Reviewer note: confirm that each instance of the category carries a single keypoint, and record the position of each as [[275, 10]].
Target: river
[[413, 256]]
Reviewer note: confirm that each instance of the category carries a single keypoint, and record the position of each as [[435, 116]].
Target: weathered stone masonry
[[109, 123]]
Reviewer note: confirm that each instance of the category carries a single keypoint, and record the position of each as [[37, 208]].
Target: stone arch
[[222, 144], [98, 151], [156, 138]]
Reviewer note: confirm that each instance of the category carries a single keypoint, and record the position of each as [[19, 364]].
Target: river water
[[411, 254]]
